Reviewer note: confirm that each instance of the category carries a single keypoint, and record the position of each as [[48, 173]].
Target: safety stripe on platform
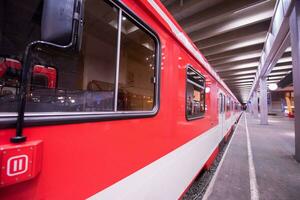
[[252, 174]]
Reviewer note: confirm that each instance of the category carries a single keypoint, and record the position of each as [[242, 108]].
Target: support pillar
[[249, 106], [263, 101], [255, 105], [295, 35]]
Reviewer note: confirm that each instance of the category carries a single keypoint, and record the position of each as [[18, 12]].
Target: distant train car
[[131, 110]]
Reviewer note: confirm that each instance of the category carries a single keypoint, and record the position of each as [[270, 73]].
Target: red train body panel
[[100, 157]]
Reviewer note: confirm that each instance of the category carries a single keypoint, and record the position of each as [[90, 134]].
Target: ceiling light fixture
[[273, 86]]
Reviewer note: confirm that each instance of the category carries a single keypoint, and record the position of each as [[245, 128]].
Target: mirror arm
[[21, 98]]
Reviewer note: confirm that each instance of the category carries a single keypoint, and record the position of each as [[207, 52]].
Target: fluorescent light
[[250, 7], [207, 89], [275, 77], [273, 86], [278, 73]]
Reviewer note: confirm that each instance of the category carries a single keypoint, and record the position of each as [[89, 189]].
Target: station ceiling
[[231, 35]]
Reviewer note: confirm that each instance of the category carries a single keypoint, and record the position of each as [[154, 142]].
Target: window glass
[[10, 70], [65, 81], [227, 104], [137, 64], [85, 81], [220, 104], [195, 94], [223, 104], [19, 25]]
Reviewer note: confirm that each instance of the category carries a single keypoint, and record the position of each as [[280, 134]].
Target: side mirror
[[62, 22]]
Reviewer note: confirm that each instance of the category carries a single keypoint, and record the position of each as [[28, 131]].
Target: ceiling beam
[[236, 52], [246, 42], [185, 9], [236, 63], [286, 66], [235, 35], [168, 3], [283, 67], [249, 65], [279, 73], [239, 84], [215, 14], [239, 77], [237, 73], [239, 81], [241, 57], [250, 16]]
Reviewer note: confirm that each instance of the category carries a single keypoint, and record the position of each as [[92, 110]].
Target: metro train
[[110, 100]]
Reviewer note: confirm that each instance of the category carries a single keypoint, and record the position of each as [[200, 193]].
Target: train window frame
[[202, 114], [46, 118]]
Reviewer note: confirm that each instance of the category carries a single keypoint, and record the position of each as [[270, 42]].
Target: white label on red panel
[[17, 165]]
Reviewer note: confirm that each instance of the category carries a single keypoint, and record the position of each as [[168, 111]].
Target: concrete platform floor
[[260, 165]]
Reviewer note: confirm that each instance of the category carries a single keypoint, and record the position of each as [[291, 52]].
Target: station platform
[[258, 163]]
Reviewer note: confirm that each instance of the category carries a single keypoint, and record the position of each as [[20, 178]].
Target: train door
[[221, 113]]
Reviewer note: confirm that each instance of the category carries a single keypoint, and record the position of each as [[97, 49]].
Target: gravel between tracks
[[200, 184]]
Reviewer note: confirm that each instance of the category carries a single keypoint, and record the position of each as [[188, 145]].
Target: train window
[[236, 106], [115, 69], [221, 103], [195, 94], [85, 80], [227, 104], [10, 70]]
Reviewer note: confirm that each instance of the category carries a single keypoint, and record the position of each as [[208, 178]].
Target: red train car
[[135, 111]]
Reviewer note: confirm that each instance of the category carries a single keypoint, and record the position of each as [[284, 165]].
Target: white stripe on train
[[170, 175]]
